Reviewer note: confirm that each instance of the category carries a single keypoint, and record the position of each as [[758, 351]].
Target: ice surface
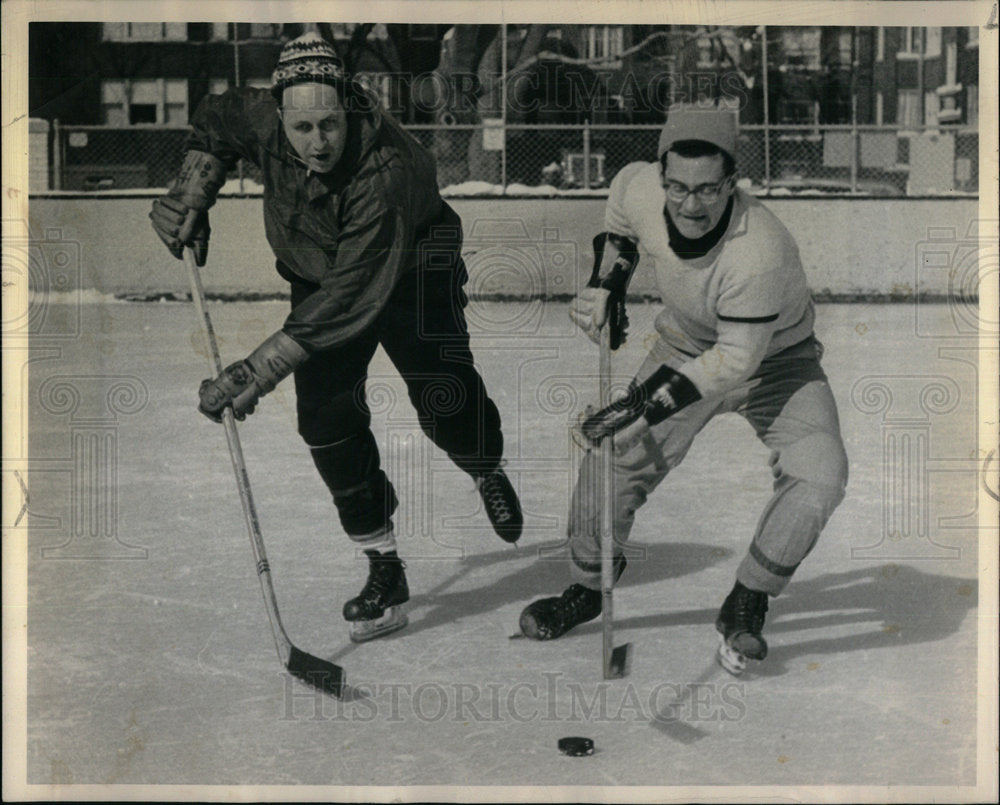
[[154, 663]]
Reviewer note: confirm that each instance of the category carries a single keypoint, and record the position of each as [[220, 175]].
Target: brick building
[[143, 80]]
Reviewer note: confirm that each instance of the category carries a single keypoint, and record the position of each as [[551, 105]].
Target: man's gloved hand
[[602, 303], [243, 383], [658, 397], [180, 218], [589, 311], [179, 225]]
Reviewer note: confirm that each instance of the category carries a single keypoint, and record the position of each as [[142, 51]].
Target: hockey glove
[[243, 383], [659, 396], [603, 301], [180, 218]]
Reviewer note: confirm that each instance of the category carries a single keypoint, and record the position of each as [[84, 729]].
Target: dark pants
[[423, 331]]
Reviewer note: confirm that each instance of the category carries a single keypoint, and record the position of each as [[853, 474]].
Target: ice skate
[[549, 618], [739, 624], [378, 609], [501, 504]]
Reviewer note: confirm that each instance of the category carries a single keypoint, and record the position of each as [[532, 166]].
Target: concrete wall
[[513, 246]]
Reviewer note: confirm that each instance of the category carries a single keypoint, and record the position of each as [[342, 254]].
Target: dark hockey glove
[[623, 255], [178, 226], [603, 300], [243, 383], [659, 396], [180, 218]]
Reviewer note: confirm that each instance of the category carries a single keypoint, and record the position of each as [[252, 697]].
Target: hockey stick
[[615, 658], [317, 672]]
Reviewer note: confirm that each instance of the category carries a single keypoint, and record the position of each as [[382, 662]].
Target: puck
[[576, 747]]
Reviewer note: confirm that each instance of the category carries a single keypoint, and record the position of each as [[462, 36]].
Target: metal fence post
[[236, 82], [56, 155], [586, 153], [503, 108], [767, 115], [854, 144]]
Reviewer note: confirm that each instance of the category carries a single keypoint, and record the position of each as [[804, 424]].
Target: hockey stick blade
[[620, 662], [321, 674]]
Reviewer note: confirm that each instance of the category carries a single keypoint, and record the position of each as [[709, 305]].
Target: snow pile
[[475, 188], [480, 189], [88, 296], [250, 188], [472, 189]]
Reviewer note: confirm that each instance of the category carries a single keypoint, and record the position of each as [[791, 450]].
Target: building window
[[139, 102], [217, 86], [264, 30], [605, 41], [972, 104], [951, 63], [845, 48], [879, 108], [973, 40], [145, 31], [908, 107], [175, 102], [706, 53], [113, 103], [706, 57], [341, 31], [932, 104], [933, 47], [912, 44], [257, 83], [140, 114], [221, 31], [880, 45], [801, 47]]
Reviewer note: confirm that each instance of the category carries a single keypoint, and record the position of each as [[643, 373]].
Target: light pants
[[790, 406]]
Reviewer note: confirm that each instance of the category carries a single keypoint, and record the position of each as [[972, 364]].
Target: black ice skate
[[549, 618], [378, 609], [739, 624], [501, 504]]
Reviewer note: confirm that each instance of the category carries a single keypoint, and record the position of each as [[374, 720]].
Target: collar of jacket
[[361, 139]]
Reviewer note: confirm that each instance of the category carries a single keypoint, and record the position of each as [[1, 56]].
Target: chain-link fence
[[106, 158], [540, 160]]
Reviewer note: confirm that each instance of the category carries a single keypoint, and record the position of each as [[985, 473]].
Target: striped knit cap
[[307, 59]]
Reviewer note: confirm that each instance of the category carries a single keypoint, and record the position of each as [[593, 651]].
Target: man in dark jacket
[[373, 256]]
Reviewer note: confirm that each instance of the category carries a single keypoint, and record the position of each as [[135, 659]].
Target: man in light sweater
[[735, 334]]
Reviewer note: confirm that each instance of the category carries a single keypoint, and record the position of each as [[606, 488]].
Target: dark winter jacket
[[353, 232]]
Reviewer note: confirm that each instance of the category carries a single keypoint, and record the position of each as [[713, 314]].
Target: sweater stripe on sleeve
[[749, 319]]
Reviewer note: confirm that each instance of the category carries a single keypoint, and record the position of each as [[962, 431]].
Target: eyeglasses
[[706, 193]]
